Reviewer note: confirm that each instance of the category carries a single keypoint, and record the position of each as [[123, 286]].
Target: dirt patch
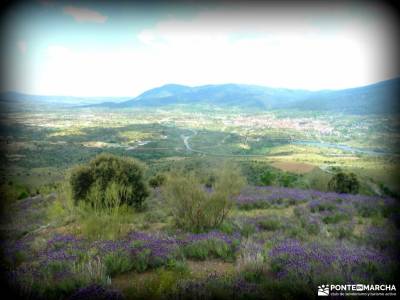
[[130, 279], [203, 268], [197, 269], [294, 167]]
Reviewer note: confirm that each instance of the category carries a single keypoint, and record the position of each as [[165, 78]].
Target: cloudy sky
[[87, 49]]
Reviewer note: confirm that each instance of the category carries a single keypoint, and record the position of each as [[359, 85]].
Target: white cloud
[[259, 51], [146, 37], [263, 47]]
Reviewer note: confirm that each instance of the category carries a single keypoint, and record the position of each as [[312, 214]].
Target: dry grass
[[294, 167], [201, 269]]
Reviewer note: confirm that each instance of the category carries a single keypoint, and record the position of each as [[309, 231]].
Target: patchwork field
[[294, 167], [59, 139]]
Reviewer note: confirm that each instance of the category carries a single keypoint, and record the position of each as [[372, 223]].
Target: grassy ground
[[41, 227]]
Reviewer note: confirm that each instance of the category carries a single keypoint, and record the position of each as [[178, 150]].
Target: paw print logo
[[323, 290]]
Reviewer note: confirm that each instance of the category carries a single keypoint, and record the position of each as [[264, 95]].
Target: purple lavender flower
[[293, 258], [95, 291]]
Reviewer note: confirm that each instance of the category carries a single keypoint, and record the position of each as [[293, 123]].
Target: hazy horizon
[[191, 86]]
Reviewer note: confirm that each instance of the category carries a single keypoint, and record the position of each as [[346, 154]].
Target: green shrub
[[12, 192], [195, 209], [109, 180], [344, 183], [387, 191], [368, 211], [55, 266], [157, 180], [253, 273], [296, 231], [335, 218], [199, 250], [155, 216], [160, 285], [118, 262], [137, 244], [227, 227], [247, 229], [23, 195], [287, 179], [312, 227], [343, 231], [104, 224], [210, 248], [267, 178], [323, 207], [177, 265], [17, 258], [56, 211], [81, 180], [61, 210], [270, 223], [141, 261], [167, 281]]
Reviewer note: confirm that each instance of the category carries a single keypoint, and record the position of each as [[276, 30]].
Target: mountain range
[[22, 98], [381, 97]]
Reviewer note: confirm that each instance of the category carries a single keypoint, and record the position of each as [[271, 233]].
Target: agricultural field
[[56, 140]]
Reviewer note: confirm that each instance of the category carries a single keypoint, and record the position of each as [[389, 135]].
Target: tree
[[344, 183], [267, 178], [109, 180], [287, 179]]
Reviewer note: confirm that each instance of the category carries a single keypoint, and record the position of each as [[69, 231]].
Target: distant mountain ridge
[[381, 97], [238, 95], [9, 97]]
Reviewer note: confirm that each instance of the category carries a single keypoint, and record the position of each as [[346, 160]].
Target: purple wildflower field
[[321, 237]]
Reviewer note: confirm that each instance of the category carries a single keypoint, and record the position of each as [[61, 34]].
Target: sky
[[95, 49]]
